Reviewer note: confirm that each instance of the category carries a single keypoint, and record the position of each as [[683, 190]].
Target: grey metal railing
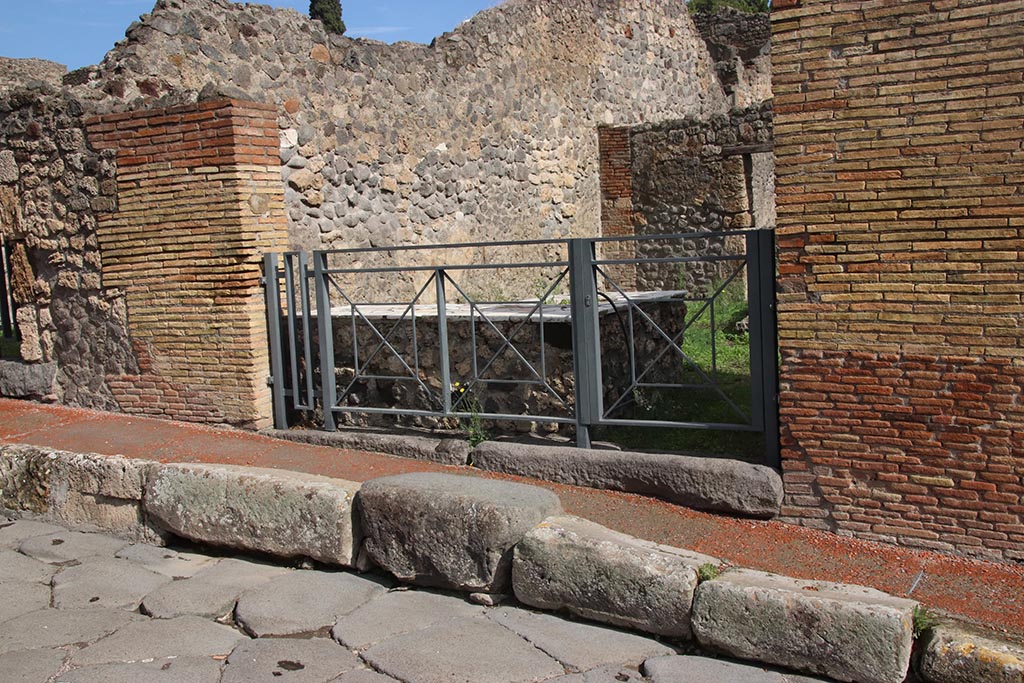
[[313, 306], [8, 328]]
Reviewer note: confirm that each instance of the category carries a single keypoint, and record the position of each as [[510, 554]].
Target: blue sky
[[79, 32]]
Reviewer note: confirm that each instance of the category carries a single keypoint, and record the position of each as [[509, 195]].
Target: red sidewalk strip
[[984, 593]]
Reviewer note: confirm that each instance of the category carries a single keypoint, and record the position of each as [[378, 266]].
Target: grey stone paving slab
[[482, 520], [12, 535], [31, 666], [210, 592], [18, 598], [288, 514], [606, 674], [159, 639], [268, 660], [579, 647], [849, 633], [164, 560], [399, 611], [167, 670], [54, 628], [599, 574], [462, 651], [303, 602], [705, 670], [364, 676], [65, 546], [17, 567], [104, 582]]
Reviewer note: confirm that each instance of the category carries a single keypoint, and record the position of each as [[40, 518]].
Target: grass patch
[[719, 350], [924, 621]]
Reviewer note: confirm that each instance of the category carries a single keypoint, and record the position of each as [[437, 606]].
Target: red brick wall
[[899, 138], [199, 199], [616, 162]]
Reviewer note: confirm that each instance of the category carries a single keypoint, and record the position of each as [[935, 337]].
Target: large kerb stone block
[[954, 655], [603, 575], [450, 531], [714, 484], [849, 633], [288, 514]]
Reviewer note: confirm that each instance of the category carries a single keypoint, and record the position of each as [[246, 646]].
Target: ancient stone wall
[[740, 45], [901, 270], [490, 131], [52, 184]]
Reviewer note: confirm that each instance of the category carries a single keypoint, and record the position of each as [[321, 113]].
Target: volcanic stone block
[[714, 484], [450, 531], [288, 514], [956, 656], [600, 574], [849, 633]]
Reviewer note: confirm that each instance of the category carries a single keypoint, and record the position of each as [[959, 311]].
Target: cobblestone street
[[82, 607]]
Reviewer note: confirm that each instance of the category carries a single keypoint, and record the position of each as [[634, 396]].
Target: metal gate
[[587, 349]]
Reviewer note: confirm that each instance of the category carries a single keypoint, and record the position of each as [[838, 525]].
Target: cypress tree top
[[328, 12]]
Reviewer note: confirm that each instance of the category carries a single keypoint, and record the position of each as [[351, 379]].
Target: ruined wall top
[[16, 72]]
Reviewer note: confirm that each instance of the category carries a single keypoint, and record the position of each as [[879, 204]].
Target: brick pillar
[[199, 200], [616, 158]]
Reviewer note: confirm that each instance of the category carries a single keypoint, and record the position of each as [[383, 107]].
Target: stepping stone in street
[[31, 665], [268, 660], [399, 611], [17, 567], [103, 582], [171, 670], [579, 646], [462, 651], [604, 674], [172, 563], [302, 602], [53, 627], [65, 546], [187, 636], [14, 533], [211, 592], [18, 598]]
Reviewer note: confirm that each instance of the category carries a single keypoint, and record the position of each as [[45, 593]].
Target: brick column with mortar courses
[[616, 162], [199, 200], [899, 141]]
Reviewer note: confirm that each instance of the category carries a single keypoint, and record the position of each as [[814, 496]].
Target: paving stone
[[54, 628], [288, 659], [159, 639], [66, 546], [18, 598], [398, 612], [579, 647], [849, 633], [600, 574], [31, 666], [482, 520], [303, 602], [210, 592], [954, 655], [104, 582], [364, 676], [17, 567], [604, 674], [288, 514], [452, 652], [14, 533], [164, 670], [705, 670], [165, 561]]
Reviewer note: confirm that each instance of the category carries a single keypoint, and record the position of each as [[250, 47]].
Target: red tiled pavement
[[986, 593]]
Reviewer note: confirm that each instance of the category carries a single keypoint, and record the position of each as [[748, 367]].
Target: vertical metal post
[[325, 329], [272, 297], [442, 341], [586, 339], [763, 342]]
